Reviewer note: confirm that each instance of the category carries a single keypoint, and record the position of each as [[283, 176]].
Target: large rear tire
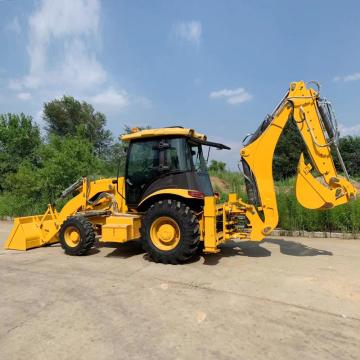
[[170, 232], [77, 235]]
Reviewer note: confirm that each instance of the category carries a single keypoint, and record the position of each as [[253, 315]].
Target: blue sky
[[217, 66]]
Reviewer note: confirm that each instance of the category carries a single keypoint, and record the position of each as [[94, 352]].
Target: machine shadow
[[254, 249], [125, 250], [233, 248], [229, 249], [293, 248]]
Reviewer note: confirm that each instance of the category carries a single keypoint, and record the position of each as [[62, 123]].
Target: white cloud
[[80, 67], [72, 25], [351, 77], [63, 46], [111, 98], [188, 31], [349, 130], [232, 96], [24, 96], [14, 26]]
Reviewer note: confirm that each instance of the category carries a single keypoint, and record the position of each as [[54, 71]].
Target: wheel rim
[[165, 233], [72, 236]]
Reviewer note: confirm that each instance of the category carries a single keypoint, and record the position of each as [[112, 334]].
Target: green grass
[[344, 218]]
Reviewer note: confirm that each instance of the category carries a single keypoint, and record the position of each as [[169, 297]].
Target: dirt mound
[[219, 184]]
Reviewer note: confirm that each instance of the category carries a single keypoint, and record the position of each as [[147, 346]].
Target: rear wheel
[[170, 232], [77, 235]]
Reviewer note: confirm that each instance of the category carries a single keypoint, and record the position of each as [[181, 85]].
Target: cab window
[[198, 160], [142, 167], [177, 155]]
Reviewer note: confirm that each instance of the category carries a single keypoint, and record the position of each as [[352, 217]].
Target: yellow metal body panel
[[121, 228], [163, 132], [210, 233], [184, 193]]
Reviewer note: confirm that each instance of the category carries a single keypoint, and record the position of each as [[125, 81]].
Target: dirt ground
[[285, 298]]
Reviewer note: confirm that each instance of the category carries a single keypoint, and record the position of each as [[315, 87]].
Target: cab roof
[[166, 131]]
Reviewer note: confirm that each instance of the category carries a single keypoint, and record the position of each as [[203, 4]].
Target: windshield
[[198, 158], [184, 155]]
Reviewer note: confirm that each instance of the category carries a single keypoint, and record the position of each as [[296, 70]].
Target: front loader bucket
[[33, 231]]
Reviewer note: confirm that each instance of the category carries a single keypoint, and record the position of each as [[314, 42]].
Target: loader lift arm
[[315, 122]]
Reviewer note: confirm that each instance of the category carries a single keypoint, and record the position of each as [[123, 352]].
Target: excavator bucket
[[33, 231], [312, 194]]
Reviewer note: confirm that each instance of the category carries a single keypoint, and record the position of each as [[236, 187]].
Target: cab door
[[142, 168]]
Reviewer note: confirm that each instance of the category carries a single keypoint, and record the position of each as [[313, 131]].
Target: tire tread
[[189, 229]]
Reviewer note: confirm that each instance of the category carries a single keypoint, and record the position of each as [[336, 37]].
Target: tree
[[62, 161], [349, 147], [287, 152], [217, 166], [70, 117], [19, 141]]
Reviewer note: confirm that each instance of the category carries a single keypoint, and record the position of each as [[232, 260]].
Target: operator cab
[[166, 158]]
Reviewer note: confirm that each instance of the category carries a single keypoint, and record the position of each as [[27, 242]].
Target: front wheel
[[77, 235], [170, 232]]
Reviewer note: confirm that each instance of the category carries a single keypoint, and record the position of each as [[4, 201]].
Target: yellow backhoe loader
[[166, 198]]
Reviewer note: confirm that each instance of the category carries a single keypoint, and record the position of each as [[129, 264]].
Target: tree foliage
[[350, 151], [19, 141], [70, 117], [61, 162], [287, 152], [217, 166]]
